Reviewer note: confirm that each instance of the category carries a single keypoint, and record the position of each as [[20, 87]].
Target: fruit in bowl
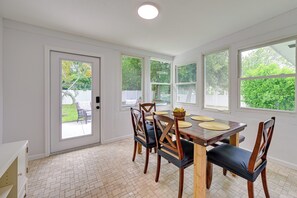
[[179, 113]]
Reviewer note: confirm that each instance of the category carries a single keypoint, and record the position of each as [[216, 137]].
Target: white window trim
[[228, 111], [176, 84], [239, 78], [127, 107], [156, 83]]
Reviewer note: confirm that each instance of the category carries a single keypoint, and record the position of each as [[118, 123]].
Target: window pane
[[270, 93], [131, 80], [186, 93], [186, 73], [161, 94], [270, 60], [216, 80], [160, 71]]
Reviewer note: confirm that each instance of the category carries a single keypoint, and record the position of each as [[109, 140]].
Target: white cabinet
[[13, 169]]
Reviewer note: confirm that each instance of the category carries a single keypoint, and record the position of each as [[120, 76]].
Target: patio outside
[[76, 99]]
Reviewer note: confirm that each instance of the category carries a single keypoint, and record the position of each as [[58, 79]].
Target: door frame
[[47, 95]]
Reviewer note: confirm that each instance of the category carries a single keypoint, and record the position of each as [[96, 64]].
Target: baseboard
[[38, 156], [283, 163], [279, 161], [116, 139]]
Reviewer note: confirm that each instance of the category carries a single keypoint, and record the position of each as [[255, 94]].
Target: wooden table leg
[[199, 171], [139, 148], [234, 140]]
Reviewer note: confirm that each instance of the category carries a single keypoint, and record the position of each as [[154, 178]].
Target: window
[[267, 76], [131, 80], [216, 80], [160, 74], [186, 83]]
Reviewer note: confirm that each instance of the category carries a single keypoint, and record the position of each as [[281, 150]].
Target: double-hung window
[[160, 78], [132, 80], [267, 76], [186, 83], [216, 80]]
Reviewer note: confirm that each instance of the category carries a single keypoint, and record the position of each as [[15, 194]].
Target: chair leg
[[155, 149], [250, 189], [224, 172], [209, 170], [134, 152], [146, 159], [158, 168], [264, 182], [181, 182]]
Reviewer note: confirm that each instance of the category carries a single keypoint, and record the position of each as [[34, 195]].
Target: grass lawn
[[69, 113]]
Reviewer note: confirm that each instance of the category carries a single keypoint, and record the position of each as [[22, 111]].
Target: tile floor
[[107, 171]]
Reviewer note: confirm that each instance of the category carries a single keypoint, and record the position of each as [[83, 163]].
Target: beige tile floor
[[107, 171]]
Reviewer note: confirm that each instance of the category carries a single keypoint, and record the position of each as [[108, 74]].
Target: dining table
[[202, 138]]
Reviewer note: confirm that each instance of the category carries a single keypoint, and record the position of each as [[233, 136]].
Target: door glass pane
[[76, 96]]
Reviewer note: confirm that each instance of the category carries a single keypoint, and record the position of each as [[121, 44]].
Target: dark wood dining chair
[[171, 147], [148, 108], [243, 163], [143, 134]]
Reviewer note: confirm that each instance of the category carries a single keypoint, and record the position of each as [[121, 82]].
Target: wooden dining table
[[202, 138]]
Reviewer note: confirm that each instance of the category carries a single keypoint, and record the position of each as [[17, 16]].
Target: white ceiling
[[182, 24]]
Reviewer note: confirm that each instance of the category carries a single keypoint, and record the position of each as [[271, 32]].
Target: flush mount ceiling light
[[148, 11]]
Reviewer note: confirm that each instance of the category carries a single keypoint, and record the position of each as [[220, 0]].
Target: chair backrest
[[138, 124], [264, 136], [148, 108], [170, 132]]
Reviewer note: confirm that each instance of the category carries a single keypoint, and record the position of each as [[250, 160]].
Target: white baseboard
[[283, 163], [116, 139], [38, 156]]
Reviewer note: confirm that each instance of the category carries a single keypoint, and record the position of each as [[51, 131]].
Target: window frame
[[204, 79], [240, 79], [176, 84], [156, 83], [127, 107]]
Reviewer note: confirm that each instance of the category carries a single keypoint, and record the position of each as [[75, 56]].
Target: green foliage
[[216, 66], [267, 93], [69, 113], [186, 73], [131, 73], [160, 71], [76, 75]]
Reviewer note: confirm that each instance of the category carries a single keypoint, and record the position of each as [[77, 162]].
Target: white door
[[75, 100]]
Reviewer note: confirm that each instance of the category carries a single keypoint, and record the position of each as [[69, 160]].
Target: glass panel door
[[75, 101]]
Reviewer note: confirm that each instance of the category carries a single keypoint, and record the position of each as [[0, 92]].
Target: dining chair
[[148, 107], [143, 134], [227, 141], [243, 163], [171, 147]]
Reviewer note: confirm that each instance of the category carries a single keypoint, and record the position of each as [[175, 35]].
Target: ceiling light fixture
[[148, 11]]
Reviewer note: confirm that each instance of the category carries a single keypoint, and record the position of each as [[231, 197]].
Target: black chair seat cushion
[[151, 137], [188, 150], [227, 140], [234, 159]]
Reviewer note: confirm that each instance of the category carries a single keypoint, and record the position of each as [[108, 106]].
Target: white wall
[[1, 80], [24, 63], [283, 147]]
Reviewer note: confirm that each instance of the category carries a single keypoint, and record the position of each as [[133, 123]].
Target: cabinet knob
[[20, 174]]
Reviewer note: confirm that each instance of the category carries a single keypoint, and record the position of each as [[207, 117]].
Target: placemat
[[216, 126], [202, 118], [183, 124], [161, 112]]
